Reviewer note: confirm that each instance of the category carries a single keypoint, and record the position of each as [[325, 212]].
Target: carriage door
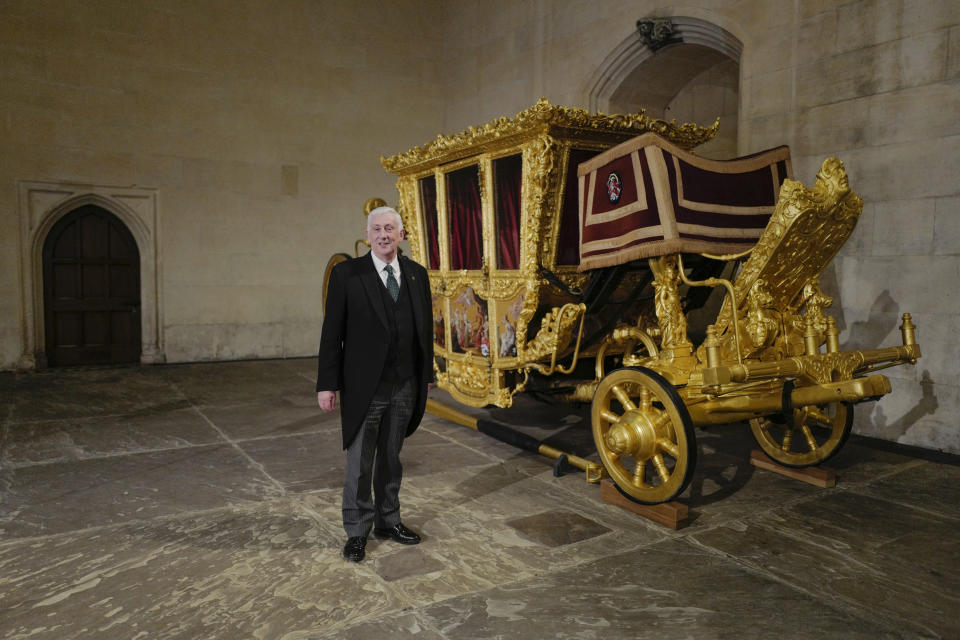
[[91, 290]]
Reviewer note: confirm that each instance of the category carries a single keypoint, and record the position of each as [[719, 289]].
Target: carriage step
[[670, 514], [823, 477]]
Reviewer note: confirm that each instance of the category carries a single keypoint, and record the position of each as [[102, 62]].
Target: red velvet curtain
[[428, 204], [463, 209], [568, 242], [507, 173]]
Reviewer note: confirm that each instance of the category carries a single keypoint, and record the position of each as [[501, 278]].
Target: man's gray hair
[[379, 211]]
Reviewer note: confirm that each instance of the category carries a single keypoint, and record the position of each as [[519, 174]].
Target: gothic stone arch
[[657, 59], [41, 205]]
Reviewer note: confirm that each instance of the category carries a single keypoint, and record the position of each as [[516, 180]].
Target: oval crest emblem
[[614, 187]]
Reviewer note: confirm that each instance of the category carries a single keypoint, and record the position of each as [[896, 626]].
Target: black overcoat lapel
[[372, 284], [410, 280]]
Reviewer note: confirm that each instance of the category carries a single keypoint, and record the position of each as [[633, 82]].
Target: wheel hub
[[633, 435]]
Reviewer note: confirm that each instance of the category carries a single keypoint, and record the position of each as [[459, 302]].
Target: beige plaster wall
[[873, 82], [258, 124]]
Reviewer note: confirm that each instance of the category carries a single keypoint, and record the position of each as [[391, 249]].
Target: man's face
[[384, 235]]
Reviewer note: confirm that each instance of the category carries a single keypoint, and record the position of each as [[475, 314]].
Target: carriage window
[[506, 175], [568, 242], [463, 209], [428, 204]]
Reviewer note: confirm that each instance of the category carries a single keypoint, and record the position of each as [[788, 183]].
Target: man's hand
[[327, 400]]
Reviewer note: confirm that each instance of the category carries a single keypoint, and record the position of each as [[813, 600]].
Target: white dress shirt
[[380, 264]]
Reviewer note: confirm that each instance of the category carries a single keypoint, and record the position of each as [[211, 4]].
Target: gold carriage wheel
[[334, 260], [644, 435], [812, 435]]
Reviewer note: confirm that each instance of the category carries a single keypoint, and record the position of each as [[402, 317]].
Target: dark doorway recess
[[91, 290]]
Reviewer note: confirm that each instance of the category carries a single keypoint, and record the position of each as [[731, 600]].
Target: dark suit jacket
[[355, 338]]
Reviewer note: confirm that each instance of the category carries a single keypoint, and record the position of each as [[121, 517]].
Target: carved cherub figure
[[761, 322], [814, 301]]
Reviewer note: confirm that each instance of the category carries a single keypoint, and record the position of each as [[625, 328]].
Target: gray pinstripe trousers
[[374, 458]]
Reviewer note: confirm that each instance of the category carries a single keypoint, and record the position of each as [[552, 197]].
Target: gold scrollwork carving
[[488, 288], [471, 383], [542, 116], [407, 208], [468, 377], [805, 232], [555, 335], [828, 367]]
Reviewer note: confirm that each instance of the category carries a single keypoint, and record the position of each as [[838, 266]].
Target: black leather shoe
[[397, 533], [355, 548]]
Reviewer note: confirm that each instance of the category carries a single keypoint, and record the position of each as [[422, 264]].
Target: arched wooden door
[[91, 290]]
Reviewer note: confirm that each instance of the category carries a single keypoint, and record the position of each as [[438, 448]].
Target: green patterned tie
[[392, 285]]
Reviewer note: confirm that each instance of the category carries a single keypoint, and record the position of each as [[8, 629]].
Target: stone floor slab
[[398, 626], [54, 395], [232, 383], [668, 590], [557, 527], [924, 485], [883, 558], [53, 498], [164, 427], [270, 416], [303, 462], [263, 572]]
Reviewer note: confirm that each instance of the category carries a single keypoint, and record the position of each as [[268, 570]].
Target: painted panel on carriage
[[469, 329], [439, 325], [507, 318]]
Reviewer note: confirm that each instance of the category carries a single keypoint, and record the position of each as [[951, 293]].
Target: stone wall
[[259, 126]]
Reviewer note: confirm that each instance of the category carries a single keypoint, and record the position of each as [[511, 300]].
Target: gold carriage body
[[501, 217], [492, 214]]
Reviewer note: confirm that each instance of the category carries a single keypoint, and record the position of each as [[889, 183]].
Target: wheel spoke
[[610, 416], [819, 417], [799, 417], [660, 467], [638, 474], [623, 398], [664, 426], [669, 447], [644, 398], [808, 436], [787, 440]]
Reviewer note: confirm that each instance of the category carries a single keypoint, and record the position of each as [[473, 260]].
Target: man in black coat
[[376, 349]]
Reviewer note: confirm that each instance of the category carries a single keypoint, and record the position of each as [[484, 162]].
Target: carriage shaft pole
[[797, 365], [744, 407], [516, 438]]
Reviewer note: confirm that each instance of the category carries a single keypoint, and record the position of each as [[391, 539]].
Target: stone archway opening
[[679, 68]]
